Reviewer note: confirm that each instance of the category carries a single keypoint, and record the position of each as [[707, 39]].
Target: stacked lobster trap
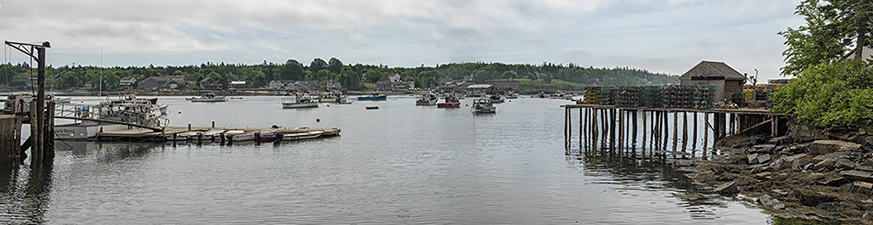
[[671, 96]]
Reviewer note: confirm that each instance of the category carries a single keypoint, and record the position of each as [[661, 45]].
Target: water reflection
[[25, 193], [634, 172], [107, 151]]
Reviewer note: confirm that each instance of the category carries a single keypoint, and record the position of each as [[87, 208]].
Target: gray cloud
[[636, 33]]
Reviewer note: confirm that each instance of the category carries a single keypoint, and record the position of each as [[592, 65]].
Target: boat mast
[[100, 90]]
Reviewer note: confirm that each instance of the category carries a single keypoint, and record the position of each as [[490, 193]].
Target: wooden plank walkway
[[140, 133], [754, 111]]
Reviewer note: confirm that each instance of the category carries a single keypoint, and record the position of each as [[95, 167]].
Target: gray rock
[[780, 164], [826, 165], [862, 187], [868, 162], [795, 157], [763, 158], [800, 163], [763, 175], [836, 182], [764, 148], [779, 192], [821, 147], [753, 158], [844, 164], [779, 140], [770, 202], [816, 199], [857, 175], [729, 188]]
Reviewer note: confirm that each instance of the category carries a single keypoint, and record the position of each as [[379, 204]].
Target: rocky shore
[[817, 174]]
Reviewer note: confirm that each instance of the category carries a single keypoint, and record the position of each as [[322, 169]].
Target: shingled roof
[[713, 69]]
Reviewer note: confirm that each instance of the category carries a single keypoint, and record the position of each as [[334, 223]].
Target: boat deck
[[147, 134]]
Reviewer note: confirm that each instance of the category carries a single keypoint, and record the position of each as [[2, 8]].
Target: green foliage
[[832, 31], [830, 94]]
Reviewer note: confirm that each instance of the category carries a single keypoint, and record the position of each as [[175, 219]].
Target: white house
[[127, 81]]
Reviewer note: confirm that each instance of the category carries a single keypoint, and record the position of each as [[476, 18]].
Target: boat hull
[[301, 136], [449, 105], [373, 98], [84, 132], [299, 105]]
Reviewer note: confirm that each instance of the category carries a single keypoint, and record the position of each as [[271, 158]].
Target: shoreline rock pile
[[815, 174]]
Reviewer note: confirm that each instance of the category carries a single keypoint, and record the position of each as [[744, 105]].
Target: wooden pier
[[660, 131]]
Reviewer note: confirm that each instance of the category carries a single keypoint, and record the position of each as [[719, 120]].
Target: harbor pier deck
[[626, 129]]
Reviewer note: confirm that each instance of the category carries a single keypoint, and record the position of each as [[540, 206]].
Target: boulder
[[795, 157], [770, 202], [779, 140], [729, 188], [844, 164], [800, 163], [763, 158], [836, 182], [868, 162], [814, 199], [862, 187], [768, 148], [857, 175], [779, 192], [824, 166], [763, 175], [821, 147], [753, 158]]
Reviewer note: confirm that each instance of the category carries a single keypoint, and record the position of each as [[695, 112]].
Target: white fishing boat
[[86, 121], [208, 97], [241, 136], [300, 101], [301, 135], [483, 105], [213, 133]]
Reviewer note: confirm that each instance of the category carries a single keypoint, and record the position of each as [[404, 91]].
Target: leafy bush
[[830, 94]]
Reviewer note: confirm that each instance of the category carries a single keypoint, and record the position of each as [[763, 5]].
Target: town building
[[727, 81]]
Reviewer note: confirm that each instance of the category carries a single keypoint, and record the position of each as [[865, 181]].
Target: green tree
[[316, 65], [334, 65], [831, 32], [509, 75]]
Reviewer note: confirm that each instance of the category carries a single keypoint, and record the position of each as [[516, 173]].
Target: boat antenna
[[100, 90]]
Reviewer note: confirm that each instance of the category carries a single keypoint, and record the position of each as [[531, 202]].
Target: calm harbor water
[[400, 164]]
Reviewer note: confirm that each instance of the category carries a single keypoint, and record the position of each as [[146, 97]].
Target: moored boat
[[497, 99], [426, 100], [483, 105], [301, 135], [208, 97], [451, 102], [373, 97], [266, 136], [300, 101]]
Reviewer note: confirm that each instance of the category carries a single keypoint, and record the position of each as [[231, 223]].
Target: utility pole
[[40, 139]]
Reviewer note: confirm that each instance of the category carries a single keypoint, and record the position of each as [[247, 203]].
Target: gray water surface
[[400, 164]]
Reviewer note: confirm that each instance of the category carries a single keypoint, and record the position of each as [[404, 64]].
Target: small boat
[[372, 107], [373, 97], [208, 97], [212, 133], [451, 102], [301, 135], [497, 99], [427, 100], [301, 101], [333, 97], [183, 136], [511, 95], [266, 136], [244, 136], [483, 105]]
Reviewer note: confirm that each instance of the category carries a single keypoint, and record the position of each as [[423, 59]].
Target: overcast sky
[[665, 36]]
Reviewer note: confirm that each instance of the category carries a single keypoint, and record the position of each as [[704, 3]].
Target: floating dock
[[139, 134]]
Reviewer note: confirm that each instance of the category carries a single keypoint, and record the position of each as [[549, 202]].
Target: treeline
[[352, 77]]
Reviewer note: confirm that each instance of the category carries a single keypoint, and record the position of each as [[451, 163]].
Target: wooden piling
[[705, 131], [694, 137], [10, 138], [621, 130], [634, 129], [684, 131]]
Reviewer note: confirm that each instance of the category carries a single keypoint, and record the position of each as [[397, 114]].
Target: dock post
[[675, 131], [566, 137], [213, 124], [643, 144], [612, 130], [582, 119], [621, 130], [694, 135], [733, 127], [705, 132], [634, 130], [593, 128], [656, 130], [605, 128], [189, 127], [684, 130], [666, 130], [10, 138]]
